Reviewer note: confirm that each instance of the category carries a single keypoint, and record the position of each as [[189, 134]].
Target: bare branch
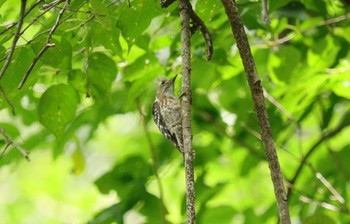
[[15, 38], [278, 105], [7, 100], [291, 36], [33, 7], [329, 186], [8, 28], [37, 17], [82, 24], [9, 142], [51, 4], [321, 204], [260, 108], [26, 13], [265, 12], [48, 43], [198, 23], [166, 3]]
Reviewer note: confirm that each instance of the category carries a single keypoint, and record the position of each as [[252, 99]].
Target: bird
[[166, 111]]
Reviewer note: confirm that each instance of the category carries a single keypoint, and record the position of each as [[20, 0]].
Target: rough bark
[[186, 108]]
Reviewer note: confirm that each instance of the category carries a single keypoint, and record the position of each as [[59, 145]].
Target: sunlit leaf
[[57, 108]]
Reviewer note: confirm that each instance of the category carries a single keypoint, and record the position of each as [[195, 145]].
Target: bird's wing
[[159, 120]]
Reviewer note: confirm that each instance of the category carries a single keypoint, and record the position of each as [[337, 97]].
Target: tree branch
[[48, 44], [73, 11], [7, 100], [9, 142], [37, 17], [25, 14], [265, 12], [259, 104], [166, 3], [184, 9], [313, 148], [15, 38], [198, 24]]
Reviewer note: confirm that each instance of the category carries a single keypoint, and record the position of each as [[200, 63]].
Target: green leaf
[[10, 129], [22, 59], [323, 54], [283, 63], [152, 209], [275, 4], [57, 108], [58, 56], [139, 16], [316, 5], [339, 82], [78, 80], [207, 9], [107, 38], [101, 71], [127, 178], [108, 215], [102, 14]]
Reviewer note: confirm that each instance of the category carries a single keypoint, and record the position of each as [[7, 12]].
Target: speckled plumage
[[167, 113]]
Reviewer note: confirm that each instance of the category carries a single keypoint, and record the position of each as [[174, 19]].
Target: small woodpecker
[[167, 113]]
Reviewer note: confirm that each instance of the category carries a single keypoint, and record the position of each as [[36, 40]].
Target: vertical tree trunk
[[186, 108]]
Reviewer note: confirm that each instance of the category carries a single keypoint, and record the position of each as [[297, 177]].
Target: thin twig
[[33, 7], [82, 11], [15, 38], [7, 100], [73, 12], [154, 160], [10, 26], [325, 136], [304, 197], [48, 44], [293, 35], [117, 1], [256, 89], [82, 24], [51, 4], [328, 185], [321, 204], [278, 105], [185, 11], [36, 18], [9, 142], [62, 20]]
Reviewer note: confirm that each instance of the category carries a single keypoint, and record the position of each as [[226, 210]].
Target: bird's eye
[[162, 82]]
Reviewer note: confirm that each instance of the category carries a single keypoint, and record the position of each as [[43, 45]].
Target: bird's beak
[[172, 80]]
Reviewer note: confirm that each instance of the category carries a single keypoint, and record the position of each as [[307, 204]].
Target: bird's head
[[166, 86]]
